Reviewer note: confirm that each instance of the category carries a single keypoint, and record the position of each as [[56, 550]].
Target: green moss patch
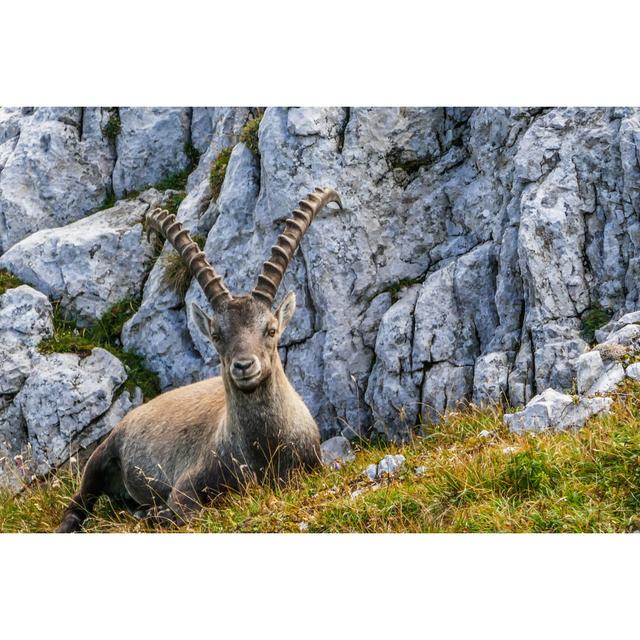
[[219, 171], [105, 333]]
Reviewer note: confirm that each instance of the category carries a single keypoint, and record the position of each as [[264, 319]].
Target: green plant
[[108, 202], [396, 287], [193, 155], [8, 281], [173, 202], [593, 319], [249, 135], [105, 333], [218, 171], [529, 472], [176, 274], [113, 126]]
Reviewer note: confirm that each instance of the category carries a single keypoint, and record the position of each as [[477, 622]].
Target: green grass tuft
[[176, 274], [218, 171], [105, 333], [577, 481], [249, 135], [8, 281]]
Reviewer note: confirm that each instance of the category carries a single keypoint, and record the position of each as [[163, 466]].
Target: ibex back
[[167, 457]]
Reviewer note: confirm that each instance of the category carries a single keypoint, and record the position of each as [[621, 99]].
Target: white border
[[285, 52], [306, 586]]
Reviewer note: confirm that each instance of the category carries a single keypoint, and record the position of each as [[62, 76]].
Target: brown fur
[[167, 457]]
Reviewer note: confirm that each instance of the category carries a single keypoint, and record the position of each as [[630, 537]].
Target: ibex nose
[[244, 368]]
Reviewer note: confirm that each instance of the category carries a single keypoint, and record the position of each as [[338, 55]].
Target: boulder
[[554, 410], [470, 247], [388, 467], [91, 264], [633, 371], [336, 451], [628, 318], [597, 376]]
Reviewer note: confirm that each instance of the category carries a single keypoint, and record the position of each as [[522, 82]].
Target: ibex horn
[[165, 223], [282, 252]]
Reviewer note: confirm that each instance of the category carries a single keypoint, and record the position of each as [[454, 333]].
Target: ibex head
[[243, 329]]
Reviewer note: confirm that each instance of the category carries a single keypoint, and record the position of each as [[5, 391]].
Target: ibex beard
[[168, 457]]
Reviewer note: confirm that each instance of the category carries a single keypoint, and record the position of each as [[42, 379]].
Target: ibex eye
[[271, 332], [215, 337]]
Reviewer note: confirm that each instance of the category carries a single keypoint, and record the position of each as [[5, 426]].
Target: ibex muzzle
[[168, 456]]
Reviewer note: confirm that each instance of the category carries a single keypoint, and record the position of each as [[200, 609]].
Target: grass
[[8, 281], [218, 171], [579, 481], [249, 135], [105, 333], [176, 274]]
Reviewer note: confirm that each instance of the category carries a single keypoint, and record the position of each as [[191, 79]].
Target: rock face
[[90, 264], [151, 145], [472, 243], [25, 319], [50, 405], [55, 167]]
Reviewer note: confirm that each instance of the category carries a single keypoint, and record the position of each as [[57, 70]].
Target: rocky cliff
[[477, 251]]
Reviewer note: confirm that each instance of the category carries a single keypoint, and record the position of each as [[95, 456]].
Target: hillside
[[468, 480]]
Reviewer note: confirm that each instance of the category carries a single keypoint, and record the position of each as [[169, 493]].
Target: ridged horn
[[282, 252], [165, 223]]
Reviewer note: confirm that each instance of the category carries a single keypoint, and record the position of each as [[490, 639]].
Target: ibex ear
[[202, 320], [285, 310]]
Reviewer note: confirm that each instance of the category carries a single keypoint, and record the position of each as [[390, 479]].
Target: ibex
[[167, 457]]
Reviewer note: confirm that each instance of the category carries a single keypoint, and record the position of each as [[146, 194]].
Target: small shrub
[[193, 155], [593, 319], [249, 135], [176, 274], [529, 472], [8, 281], [218, 171], [113, 126]]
